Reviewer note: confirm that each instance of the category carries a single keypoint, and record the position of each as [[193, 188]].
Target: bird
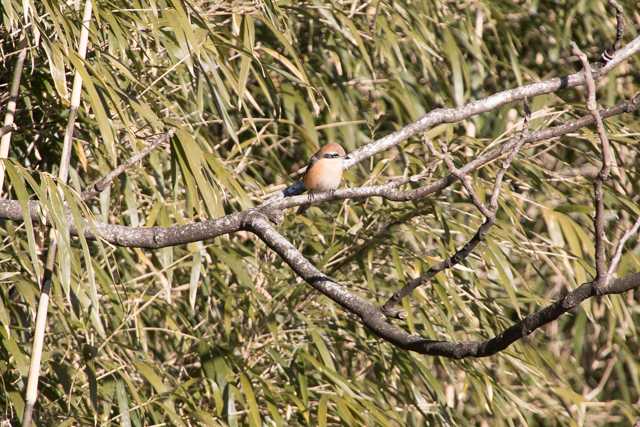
[[324, 171]]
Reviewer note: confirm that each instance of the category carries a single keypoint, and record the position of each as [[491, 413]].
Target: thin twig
[[473, 108], [462, 177], [608, 53], [601, 264], [618, 252], [104, 182], [453, 115], [254, 220], [603, 380]]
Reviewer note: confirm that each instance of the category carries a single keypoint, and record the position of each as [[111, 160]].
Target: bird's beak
[[347, 157]]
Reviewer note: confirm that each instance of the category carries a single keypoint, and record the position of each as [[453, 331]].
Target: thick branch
[[391, 192], [527, 325], [373, 318]]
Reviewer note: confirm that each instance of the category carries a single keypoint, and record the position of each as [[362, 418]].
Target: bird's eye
[[331, 155]]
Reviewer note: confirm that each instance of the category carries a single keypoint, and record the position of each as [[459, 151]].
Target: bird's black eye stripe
[[331, 155]]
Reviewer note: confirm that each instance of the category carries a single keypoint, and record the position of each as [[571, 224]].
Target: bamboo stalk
[[31, 393], [9, 116]]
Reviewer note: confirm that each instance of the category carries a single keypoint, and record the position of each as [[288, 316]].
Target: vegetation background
[[222, 332]]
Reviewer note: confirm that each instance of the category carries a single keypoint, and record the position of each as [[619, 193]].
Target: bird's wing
[[312, 161]]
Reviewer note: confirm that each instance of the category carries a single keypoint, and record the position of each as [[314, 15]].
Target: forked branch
[[488, 210], [374, 319]]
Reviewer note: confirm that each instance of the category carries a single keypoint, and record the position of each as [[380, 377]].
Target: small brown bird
[[324, 171]]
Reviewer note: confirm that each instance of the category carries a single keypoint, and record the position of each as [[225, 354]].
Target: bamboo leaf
[[254, 413]]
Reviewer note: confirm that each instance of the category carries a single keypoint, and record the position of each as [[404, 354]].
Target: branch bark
[[255, 220], [619, 30], [473, 108]]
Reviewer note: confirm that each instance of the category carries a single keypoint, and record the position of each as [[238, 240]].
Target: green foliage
[[222, 332]]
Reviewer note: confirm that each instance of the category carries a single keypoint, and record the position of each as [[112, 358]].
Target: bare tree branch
[[462, 177], [256, 220], [389, 307], [158, 237], [374, 319], [608, 53], [390, 192], [452, 115]]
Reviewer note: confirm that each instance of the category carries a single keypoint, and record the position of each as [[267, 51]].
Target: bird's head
[[332, 151]]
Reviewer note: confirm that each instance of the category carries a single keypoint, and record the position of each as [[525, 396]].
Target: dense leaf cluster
[[222, 332]]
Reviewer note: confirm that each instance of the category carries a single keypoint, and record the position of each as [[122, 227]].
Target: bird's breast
[[324, 175]]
